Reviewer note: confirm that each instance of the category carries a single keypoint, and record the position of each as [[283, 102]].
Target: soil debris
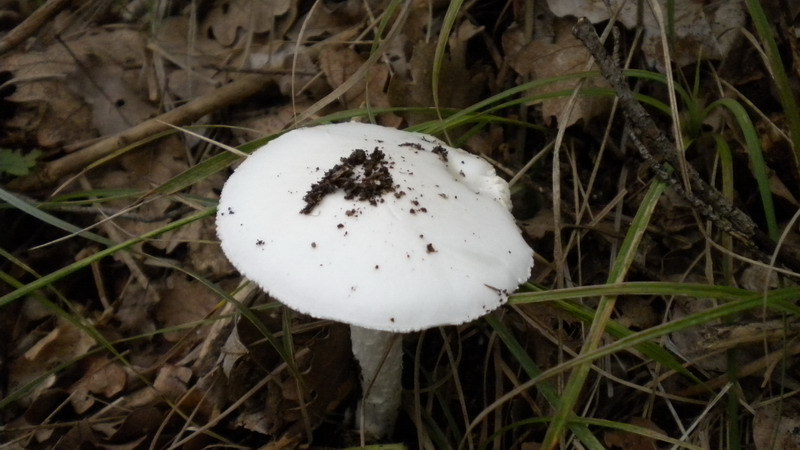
[[361, 177]]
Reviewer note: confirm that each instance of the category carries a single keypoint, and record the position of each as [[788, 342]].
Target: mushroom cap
[[439, 248]]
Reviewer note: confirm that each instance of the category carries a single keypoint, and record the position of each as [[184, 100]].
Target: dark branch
[[654, 147]]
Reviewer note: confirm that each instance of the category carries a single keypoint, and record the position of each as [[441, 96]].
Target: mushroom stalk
[[380, 355]]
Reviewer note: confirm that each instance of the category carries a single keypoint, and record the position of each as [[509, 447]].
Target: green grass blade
[[760, 171], [50, 219], [617, 274], [726, 167], [207, 168], [779, 300], [632, 288], [509, 98], [610, 424], [614, 329], [783, 85], [73, 317], [283, 351], [547, 390], [48, 279], [453, 10]]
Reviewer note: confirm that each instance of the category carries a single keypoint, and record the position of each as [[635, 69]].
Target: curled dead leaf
[[541, 59], [103, 377], [699, 29], [227, 18], [776, 426], [631, 441], [64, 343]]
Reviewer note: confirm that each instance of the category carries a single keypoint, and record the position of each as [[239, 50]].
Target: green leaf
[[13, 162]]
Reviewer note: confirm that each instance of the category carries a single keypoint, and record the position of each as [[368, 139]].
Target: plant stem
[[380, 356]]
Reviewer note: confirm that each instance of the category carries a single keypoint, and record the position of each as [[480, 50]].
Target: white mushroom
[[386, 230]]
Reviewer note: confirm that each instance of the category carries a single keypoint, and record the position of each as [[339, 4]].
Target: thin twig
[[229, 94], [654, 147], [31, 25], [95, 209]]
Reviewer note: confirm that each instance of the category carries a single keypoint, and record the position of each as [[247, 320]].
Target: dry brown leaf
[[400, 49], [133, 305], [228, 17], [51, 98], [184, 301], [637, 313], [219, 354], [41, 409], [489, 142], [171, 381], [63, 344], [531, 446], [103, 377], [540, 225], [705, 346], [339, 63], [115, 104], [253, 421], [328, 375], [272, 121], [170, 384], [631, 441], [701, 29], [148, 167], [686, 341], [327, 19], [205, 254], [759, 278], [138, 424], [777, 187], [79, 436], [174, 37], [295, 70], [232, 351], [199, 59], [325, 362], [193, 83], [459, 87], [542, 59], [51, 116], [775, 426]]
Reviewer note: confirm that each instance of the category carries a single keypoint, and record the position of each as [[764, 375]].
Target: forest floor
[[659, 192]]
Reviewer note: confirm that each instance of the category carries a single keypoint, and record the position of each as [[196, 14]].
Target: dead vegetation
[[647, 321]]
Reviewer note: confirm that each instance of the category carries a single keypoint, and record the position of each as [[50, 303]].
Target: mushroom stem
[[380, 356]]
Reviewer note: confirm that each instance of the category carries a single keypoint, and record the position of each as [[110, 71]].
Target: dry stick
[[647, 135], [655, 147], [229, 94], [32, 24], [751, 368]]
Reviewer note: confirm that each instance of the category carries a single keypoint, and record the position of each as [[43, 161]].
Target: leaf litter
[[186, 360]]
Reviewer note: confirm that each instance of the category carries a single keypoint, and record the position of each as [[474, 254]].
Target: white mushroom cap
[[440, 248]]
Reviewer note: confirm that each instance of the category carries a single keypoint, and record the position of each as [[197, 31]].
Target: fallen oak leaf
[[103, 377]]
